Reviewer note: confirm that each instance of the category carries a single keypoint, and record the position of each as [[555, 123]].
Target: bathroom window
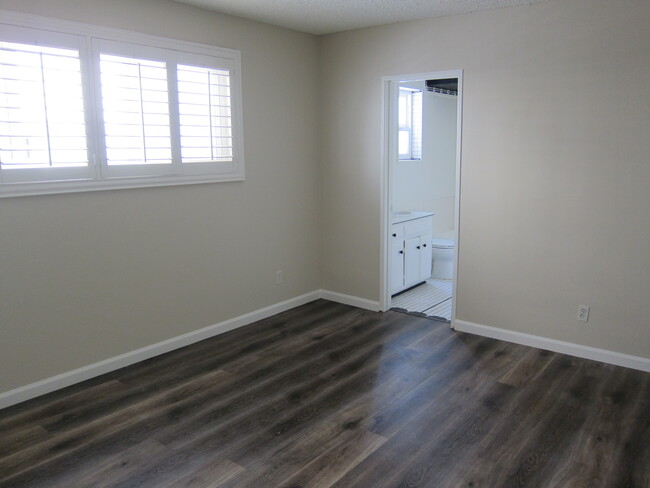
[[86, 108], [410, 124]]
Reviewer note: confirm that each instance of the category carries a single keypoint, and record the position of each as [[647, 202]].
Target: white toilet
[[443, 251]]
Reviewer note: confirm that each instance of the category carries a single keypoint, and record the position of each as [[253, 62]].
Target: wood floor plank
[[22, 437], [328, 395], [437, 335], [453, 379], [595, 443], [435, 464], [530, 366], [214, 474], [384, 466], [528, 410], [290, 458], [407, 433], [306, 440], [120, 466], [550, 443], [88, 441], [34, 411], [276, 458], [359, 386], [329, 467], [526, 418], [623, 432]]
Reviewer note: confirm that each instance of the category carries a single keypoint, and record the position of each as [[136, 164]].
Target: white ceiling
[[328, 16]]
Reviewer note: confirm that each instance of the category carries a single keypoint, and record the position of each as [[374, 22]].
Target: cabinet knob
[[401, 252], [418, 247], [424, 245], [394, 235]]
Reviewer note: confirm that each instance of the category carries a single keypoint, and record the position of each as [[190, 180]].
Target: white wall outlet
[[583, 313], [279, 277]]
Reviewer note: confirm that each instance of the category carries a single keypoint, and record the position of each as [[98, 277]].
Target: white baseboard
[[602, 355], [57, 382], [350, 300]]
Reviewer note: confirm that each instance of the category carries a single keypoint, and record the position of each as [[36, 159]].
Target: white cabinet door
[[411, 261], [410, 254], [396, 265], [426, 257]]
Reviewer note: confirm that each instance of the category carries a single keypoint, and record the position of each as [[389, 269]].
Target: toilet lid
[[442, 243]]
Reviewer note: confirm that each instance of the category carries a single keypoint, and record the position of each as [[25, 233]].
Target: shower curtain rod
[[443, 91]]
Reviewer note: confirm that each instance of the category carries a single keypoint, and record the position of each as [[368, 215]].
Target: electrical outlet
[[279, 277], [583, 313]]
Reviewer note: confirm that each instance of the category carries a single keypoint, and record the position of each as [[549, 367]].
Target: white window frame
[[90, 41]]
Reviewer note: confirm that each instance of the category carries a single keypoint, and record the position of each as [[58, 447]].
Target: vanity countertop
[[399, 217]]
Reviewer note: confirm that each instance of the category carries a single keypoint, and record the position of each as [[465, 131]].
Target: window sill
[[74, 186]]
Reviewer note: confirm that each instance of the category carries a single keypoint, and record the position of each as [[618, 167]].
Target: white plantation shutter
[[164, 112], [205, 114], [134, 111], [42, 113], [135, 105], [39, 126], [404, 124]]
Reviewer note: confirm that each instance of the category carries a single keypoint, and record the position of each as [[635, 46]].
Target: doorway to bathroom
[[420, 193]]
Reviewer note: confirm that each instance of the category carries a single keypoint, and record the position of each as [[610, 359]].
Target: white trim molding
[[578, 350], [364, 303], [78, 375]]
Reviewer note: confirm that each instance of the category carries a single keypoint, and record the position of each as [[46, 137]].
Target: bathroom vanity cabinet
[[410, 257]]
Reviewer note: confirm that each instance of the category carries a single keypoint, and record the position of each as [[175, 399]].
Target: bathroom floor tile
[[432, 299], [441, 310]]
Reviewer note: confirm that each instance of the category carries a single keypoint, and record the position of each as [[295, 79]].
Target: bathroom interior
[[423, 199]]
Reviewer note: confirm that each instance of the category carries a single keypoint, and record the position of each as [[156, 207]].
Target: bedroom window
[[81, 110]]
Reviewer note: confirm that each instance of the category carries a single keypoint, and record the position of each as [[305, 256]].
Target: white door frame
[[389, 156]]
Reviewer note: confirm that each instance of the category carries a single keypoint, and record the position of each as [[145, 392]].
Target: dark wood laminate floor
[[327, 395]]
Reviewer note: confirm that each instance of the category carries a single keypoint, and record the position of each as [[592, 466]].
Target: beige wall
[[87, 276], [555, 172]]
